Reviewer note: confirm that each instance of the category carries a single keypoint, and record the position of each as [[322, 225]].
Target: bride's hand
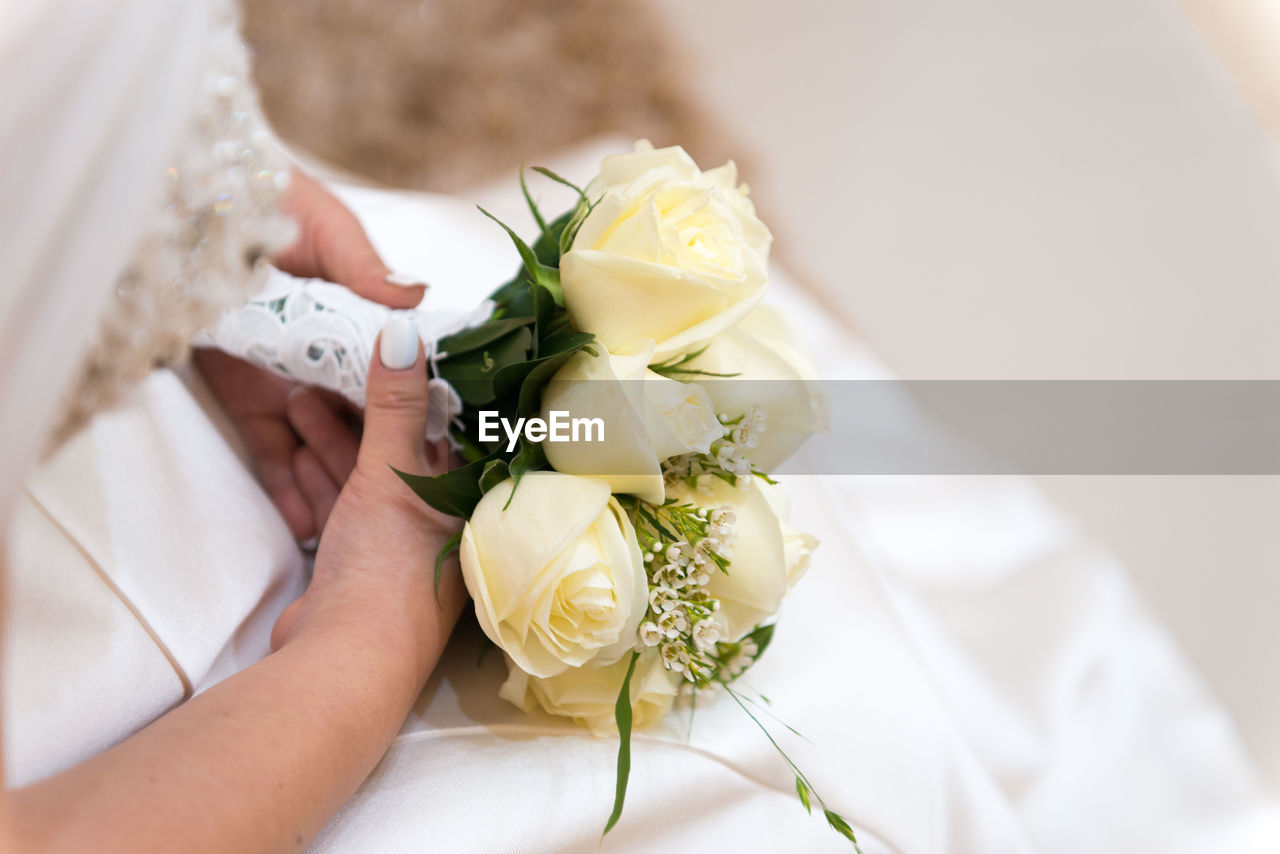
[[303, 441], [375, 566], [261, 760], [332, 245]]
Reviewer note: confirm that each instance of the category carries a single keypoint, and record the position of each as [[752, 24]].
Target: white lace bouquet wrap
[[321, 334]]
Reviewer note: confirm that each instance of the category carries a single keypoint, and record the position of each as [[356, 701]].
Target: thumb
[[395, 415]]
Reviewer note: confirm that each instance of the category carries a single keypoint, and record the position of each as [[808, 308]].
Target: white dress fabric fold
[[970, 673], [94, 102]]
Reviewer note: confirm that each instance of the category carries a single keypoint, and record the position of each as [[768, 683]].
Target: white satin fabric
[[144, 563], [973, 676], [95, 95]]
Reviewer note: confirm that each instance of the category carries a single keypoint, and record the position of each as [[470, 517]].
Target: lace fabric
[[321, 334]]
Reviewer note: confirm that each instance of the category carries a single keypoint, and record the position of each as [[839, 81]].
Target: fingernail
[[399, 347], [404, 280]]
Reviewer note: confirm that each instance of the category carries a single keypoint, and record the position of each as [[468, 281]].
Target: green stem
[[781, 752]]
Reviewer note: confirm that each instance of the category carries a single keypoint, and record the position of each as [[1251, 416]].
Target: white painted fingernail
[[405, 280], [399, 347]]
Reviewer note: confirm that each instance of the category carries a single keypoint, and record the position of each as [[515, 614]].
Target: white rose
[[670, 253], [557, 576], [647, 418], [775, 372], [752, 591], [588, 694], [797, 546]]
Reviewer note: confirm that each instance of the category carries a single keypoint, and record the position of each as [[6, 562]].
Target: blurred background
[[1058, 189]]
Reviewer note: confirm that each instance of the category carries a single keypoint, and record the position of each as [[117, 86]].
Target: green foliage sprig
[[503, 363]]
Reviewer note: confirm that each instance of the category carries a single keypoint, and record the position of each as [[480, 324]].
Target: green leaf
[[678, 359], [565, 340], [763, 636], [533, 208], [570, 230], [495, 472], [529, 458], [559, 324], [472, 374], [479, 335], [840, 826], [547, 247], [803, 791], [544, 309], [539, 273], [622, 714], [450, 546], [454, 493], [470, 450], [530, 375], [549, 278], [544, 171], [512, 299], [530, 400], [580, 215]]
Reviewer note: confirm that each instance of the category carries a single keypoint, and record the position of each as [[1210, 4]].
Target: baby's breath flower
[[684, 546], [675, 656], [678, 553], [650, 634], [663, 599], [672, 623], [705, 634], [745, 435]]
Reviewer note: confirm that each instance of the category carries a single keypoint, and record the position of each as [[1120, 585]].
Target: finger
[[271, 445], [333, 245], [316, 486], [395, 414], [346, 256], [243, 389], [397, 290], [345, 409], [324, 431]]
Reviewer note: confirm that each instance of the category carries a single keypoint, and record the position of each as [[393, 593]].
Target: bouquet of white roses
[[621, 408]]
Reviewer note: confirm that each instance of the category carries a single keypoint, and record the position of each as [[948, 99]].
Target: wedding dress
[[971, 675]]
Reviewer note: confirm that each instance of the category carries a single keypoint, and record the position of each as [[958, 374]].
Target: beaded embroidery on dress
[[215, 220]]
